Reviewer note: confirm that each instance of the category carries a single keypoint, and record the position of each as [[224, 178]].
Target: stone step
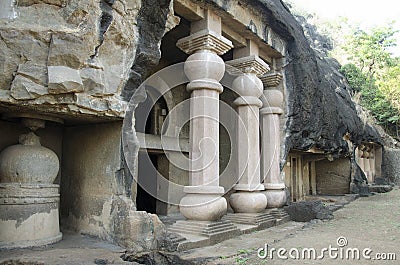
[[195, 226], [197, 231], [214, 231], [255, 219], [190, 227], [281, 216], [203, 223], [251, 221], [278, 213], [176, 238], [380, 188]]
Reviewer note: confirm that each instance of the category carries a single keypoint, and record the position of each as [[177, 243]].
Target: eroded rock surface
[[308, 210], [53, 49]]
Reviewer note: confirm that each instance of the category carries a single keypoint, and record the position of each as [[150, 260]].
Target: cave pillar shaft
[[372, 165], [204, 68], [367, 168], [270, 143], [360, 159], [248, 86]]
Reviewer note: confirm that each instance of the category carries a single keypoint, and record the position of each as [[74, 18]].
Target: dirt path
[[372, 222]]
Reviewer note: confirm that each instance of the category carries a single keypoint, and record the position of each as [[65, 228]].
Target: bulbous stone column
[[248, 198], [28, 198], [367, 169], [360, 158], [372, 165], [204, 68], [270, 143]]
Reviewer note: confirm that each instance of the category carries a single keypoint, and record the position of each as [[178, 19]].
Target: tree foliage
[[374, 73]]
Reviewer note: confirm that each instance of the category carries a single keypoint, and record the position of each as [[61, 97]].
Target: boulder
[[308, 210]]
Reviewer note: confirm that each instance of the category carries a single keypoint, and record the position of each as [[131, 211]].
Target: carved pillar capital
[[272, 97], [272, 79], [205, 40]]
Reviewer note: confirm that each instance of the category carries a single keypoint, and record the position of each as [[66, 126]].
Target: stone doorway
[[149, 189], [300, 175], [160, 181], [153, 164], [294, 178]]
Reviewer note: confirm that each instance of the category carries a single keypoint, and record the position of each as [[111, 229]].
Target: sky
[[367, 13]]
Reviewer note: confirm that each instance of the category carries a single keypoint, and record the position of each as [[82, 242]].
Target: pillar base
[[203, 233], [31, 243], [276, 198], [248, 202], [203, 207], [259, 220], [280, 215], [28, 215]]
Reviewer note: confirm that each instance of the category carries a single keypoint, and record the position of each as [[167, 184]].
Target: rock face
[[391, 164], [137, 231], [52, 50]]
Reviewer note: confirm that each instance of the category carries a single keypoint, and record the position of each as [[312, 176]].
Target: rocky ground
[[370, 222]]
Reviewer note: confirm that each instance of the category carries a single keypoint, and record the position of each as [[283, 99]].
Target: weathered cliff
[[72, 57]]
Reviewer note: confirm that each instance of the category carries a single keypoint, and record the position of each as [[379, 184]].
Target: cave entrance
[[147, 179], [294, 175], [300, 175], [153, 165], [160, 182]]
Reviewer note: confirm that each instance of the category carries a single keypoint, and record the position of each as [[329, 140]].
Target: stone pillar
[[367, 169], [204, 68], [372, 166], [360, 159], [248, 86], [29, 200], [270, 143]]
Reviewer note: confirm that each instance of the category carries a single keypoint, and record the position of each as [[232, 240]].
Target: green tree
[[369, 51], [374, 73]]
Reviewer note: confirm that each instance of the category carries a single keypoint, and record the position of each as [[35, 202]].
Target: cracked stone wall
[[333, 178], [67, 56]]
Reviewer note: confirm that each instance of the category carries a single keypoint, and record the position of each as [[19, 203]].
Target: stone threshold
[[197, 234]]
